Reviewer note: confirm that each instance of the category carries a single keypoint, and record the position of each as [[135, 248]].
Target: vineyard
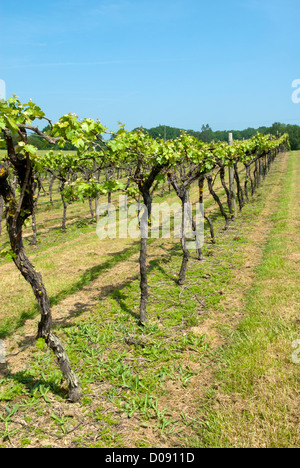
[[116, 343]]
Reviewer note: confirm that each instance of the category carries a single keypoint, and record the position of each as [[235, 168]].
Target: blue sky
[[181, 63]]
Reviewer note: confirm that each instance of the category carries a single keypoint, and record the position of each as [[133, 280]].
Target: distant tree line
[[208, 135]]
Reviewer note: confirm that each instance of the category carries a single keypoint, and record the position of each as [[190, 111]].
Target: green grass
[[257, 391]]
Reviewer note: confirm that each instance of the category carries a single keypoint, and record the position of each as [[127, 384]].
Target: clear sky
[[181, 63]]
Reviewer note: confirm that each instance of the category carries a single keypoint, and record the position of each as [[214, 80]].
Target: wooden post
[[231, 180]]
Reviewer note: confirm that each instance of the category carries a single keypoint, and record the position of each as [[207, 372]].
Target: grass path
[[255, 401]]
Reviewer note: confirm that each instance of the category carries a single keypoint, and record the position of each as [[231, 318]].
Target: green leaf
[[11, 125]]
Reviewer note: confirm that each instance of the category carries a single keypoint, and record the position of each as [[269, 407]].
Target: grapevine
[[146, 162]]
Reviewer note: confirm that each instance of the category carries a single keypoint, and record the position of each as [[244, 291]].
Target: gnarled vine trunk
[[182, 192], [17, 211], [1, 212], [201, 201], [186, 253], [144, 188], [217, 199]]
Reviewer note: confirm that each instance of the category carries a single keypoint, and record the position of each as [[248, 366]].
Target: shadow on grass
[[112, 291], [9, 326], [91, 274], [33, 385]]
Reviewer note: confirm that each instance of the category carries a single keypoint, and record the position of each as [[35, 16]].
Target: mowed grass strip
[[255, 401]]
